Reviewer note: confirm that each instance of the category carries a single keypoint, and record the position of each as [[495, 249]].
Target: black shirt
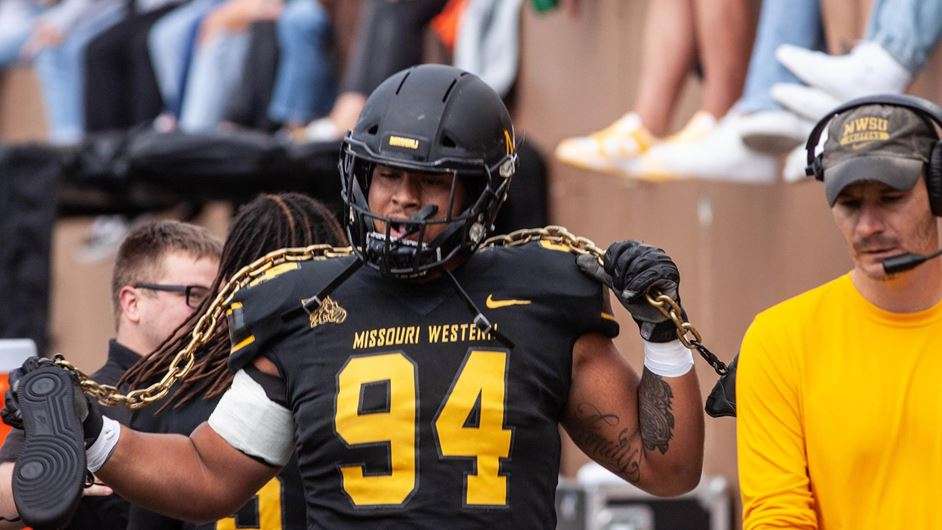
[[93, 513], [408, 416]]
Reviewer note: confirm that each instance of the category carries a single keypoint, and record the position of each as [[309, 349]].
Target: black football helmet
[[431, 118]]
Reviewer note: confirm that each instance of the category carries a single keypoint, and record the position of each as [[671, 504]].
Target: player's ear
[[129, 300]]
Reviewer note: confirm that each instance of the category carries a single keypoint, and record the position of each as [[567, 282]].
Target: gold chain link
[[669, 308], [552, 234], [581, 245], [205, 327], [183, 361]]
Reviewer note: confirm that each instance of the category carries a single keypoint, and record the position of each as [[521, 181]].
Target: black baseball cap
[[876, 143]]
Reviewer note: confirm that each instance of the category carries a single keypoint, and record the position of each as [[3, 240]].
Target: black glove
[[85, 409], [630, 269], [722, 399]]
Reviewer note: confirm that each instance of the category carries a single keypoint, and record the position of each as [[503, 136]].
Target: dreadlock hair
[[268, 223]]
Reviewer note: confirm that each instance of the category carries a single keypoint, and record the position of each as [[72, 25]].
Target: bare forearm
[[7, 507], [670, 422], [659, 449], [649, 432], [157, 470]]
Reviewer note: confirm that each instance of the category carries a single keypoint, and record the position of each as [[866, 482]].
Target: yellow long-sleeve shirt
[[839, 409]]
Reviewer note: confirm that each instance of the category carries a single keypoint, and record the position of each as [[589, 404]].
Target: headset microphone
[[907, 261]]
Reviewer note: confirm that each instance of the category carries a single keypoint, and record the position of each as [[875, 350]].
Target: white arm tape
[[252, 423], [99, 452], [667, 359]]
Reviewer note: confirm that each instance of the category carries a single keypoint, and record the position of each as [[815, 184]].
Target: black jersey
[[406, 414], [278, 505]]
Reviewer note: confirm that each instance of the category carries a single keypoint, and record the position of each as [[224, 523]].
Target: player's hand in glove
[[630, 269]]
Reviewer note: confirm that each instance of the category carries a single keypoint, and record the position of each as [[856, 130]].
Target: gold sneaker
[[607, 150]]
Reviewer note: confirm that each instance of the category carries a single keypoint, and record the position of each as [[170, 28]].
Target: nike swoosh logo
[[497, 304]]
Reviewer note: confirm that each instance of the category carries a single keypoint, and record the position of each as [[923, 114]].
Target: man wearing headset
[[839, 412]]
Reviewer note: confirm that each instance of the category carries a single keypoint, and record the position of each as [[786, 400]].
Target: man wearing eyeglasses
[[162, 273]]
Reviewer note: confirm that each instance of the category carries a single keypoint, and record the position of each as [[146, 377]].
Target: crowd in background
[[197, 65], [206, 66], [203, 66], [755, 108]]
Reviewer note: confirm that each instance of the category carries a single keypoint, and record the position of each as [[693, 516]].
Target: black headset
[[926, 109]]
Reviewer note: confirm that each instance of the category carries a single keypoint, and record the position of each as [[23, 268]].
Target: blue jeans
[[304, 83], [214, 76], [61, 72], [16, 24], [171, 42], [796, 22], [907, 29]]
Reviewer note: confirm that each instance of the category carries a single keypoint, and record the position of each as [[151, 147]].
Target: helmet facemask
[[392, 250]]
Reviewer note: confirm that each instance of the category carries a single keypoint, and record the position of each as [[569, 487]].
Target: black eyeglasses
[[195, 294]]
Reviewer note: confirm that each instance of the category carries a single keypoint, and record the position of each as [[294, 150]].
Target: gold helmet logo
[[402, 141]]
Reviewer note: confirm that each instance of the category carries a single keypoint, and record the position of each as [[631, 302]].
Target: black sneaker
[[50, 472]]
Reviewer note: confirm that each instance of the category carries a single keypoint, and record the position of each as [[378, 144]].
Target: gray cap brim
[[896, 172]]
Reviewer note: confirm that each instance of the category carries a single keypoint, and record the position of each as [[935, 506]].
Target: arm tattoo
[[656, 421], [623, 454], [655, 414]]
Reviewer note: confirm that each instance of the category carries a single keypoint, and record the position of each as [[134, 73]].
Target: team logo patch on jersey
[[328, 312]]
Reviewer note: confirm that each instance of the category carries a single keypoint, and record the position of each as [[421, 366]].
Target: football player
[[425, 389]]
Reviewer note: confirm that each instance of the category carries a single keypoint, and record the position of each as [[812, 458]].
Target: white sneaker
[[808, 102], [773, 131], [720, 155], [867, 69], [795, 164], [608, 149]]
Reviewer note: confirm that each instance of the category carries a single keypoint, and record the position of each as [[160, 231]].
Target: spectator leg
[[120, 88], [389, 38], [796, 22], [304, 84], [61, 73], [170, 42], [147, 102], [725, 32], [214, 76], [106, 83], [908, 29], [668, 53]]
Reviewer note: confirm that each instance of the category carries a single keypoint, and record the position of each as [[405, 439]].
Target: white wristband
[[667, 359], [100, 451]]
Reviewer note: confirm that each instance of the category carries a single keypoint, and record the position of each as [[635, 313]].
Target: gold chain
[[671, 309], [688, 335], [183, 361], [552, 234]]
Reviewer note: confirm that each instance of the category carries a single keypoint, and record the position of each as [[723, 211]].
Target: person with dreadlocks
[[406, 404], [267, 223]]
